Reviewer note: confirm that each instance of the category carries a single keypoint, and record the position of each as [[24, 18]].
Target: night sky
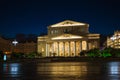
[[33, 16]]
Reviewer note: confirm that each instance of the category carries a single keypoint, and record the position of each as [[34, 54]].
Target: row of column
[[71, 48]]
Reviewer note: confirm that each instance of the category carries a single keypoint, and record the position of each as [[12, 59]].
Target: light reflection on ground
[[60, 71], [114, 68]]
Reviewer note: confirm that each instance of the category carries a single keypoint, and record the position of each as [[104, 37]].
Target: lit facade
[[67, 38], [27, 47], [7, 47], [114, 41]]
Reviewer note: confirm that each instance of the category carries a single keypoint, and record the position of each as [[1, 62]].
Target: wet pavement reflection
[[60, 71]]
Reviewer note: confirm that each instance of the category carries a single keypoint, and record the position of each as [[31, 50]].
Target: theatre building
[[67, 38]]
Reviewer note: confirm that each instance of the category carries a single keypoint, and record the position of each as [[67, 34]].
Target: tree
[[106, 53], [115, 52], [39, 55]]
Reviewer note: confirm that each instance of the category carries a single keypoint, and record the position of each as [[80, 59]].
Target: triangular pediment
[[67, 23], [67, 36]]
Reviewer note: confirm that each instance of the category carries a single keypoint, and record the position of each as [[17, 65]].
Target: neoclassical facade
[[67, 38], [114, 41]]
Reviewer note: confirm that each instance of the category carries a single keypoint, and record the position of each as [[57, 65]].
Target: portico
[[67, 48]]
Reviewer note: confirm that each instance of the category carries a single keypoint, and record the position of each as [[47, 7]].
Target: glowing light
[[67, 36], [15, 42], [93, 37], [113, 38], [14, 69], [119, 36], [5, 58], [42, 49], [114, 68]]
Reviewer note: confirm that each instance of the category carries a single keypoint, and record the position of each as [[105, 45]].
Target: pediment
[[67, 36], [67, 23]]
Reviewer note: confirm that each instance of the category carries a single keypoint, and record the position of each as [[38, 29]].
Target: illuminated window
[[56, 31], [42, 49], [82, 30], [52, 31], [66, 30]]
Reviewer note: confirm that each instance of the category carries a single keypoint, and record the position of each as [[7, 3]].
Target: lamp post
[[14, 43]]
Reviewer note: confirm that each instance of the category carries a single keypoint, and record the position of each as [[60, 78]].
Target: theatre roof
[[68, 23]]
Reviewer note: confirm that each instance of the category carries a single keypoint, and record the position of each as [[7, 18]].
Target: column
[[64, 49], [69, 49], [80, 46], [75, 48], [52, 48], [58, 49], [46, 49], [87, 45]]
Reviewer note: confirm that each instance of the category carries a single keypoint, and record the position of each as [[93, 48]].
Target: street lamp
[[14, 42]]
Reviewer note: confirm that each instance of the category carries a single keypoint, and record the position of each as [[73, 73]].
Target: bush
[[83, 53], [31, 55], [15, 55], [115, 52], [93, 53], [105, 53]]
